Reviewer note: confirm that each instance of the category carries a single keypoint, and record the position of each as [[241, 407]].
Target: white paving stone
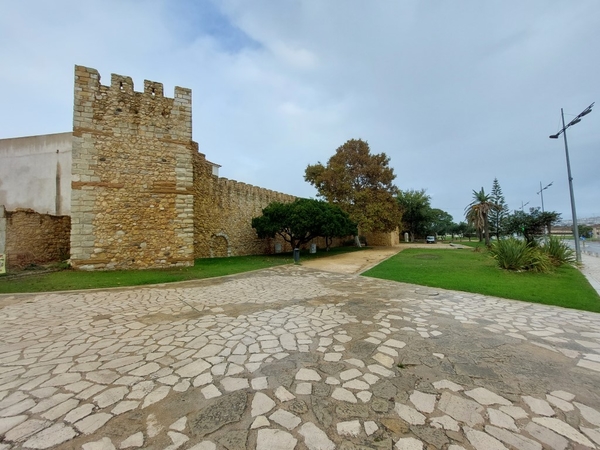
[[178, 440], [356, 385], [283, 395], [303, 389], [593, 434], [332, 357], [134, 441], [384, 360], [483, 441], [156, 395], [394, 343], [563, 395], [231, 384], [370, 427], [463, 410], [423, 402], [486, 397], [179, 425], [343, 395], [193, 369], [501, 419], [305, 374], [111, 396], [545, 436], [446, 384], [210, 391], [409, 443], [315, 438], [516, 412], [8, 423], [538, 406], [349, 374], [261, 404], [50, 437], [355, 362], [269, 439], [203, 379], [380, 370], [410, 415], [259, 383], [589, 414], [91, 423], [559, 403], [445, 422], [513, 439], [564, 429], [350, 428]]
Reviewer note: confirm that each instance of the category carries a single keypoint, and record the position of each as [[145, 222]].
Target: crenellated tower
[[132, 200]]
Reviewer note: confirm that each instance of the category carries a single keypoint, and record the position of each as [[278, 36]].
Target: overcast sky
[[455, 93]]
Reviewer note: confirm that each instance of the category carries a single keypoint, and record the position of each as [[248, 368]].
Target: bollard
[[296, 255]]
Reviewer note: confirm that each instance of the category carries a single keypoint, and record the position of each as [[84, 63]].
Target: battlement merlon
[[87, 78]]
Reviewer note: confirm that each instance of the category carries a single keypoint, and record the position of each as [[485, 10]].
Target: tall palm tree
[[477, 213]]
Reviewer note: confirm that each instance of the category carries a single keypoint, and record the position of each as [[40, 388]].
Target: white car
[[430, 240]]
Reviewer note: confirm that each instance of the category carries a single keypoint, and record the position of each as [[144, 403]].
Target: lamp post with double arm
[[563, 130]]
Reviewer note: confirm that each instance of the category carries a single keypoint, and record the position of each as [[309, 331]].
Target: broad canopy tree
[[416, 211], [359, 182], [302, 220], [531, 225], [441, 223]]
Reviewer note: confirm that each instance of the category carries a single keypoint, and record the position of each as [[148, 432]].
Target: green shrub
[[558, 251], [518, 255]]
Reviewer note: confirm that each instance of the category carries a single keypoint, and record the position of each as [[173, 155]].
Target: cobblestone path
[[295, 358]]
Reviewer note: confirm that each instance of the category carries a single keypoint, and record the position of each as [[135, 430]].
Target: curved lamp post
[[541, 192], [576, 120]]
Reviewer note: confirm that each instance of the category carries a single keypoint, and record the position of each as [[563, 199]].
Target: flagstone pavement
[[295, 358]]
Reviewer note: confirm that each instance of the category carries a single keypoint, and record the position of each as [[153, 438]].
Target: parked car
[[430, 240]]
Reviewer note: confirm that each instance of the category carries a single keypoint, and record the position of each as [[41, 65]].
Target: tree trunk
[[486, 230]]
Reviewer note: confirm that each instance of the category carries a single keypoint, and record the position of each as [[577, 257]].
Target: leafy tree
[[361, 183], [302, 220], [585, 230], [549, 218], [416, 211], [441, 222], [498, 214], [334, 222], [531, 225]]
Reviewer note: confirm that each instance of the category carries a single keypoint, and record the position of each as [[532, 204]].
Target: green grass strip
[[476, 272], [66, 280]]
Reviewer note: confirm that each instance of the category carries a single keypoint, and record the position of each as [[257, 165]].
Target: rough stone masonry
[[142, 194]]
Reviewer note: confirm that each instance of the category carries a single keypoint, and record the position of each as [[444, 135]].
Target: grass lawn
[[472, 271], [203, 268]]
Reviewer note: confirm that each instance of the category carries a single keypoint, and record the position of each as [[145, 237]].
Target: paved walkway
[[295, 358], [591, 269]]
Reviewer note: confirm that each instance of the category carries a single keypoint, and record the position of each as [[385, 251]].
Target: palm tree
[[477, 213]]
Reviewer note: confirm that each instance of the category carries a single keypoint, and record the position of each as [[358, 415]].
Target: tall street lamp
[[541, 192], [576, 120]]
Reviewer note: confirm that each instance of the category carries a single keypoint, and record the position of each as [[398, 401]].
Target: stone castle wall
[[142, 196], [132, 177], [223, 212], [34, 238]]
